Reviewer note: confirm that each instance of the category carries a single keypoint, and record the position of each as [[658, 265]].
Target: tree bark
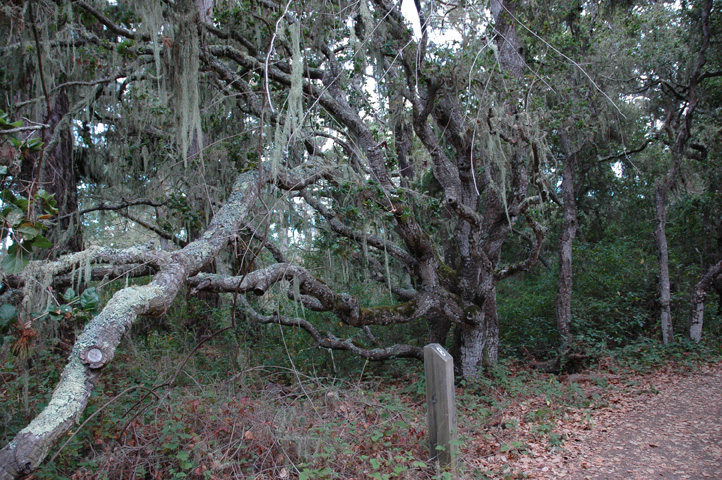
[[566, 242], [699, 294], [57, 176], [479, 342], [53, 170], [95, 347], [660, 235], [717, 285]]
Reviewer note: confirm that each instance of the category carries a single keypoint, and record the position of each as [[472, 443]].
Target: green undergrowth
[[258, 402], [648, 354]]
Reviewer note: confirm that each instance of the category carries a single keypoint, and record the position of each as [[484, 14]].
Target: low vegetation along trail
[[672, 429]]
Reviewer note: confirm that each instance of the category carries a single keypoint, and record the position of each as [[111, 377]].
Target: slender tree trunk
[[717, 285], [491, 327], [683, 132], [566, 241], [660, 235], [699, 294]]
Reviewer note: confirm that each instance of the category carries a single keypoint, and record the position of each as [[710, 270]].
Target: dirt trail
[[675, 434]]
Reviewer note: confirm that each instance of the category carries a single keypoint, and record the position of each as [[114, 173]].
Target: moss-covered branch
[[96, 346], [331, 341], [322, 297]]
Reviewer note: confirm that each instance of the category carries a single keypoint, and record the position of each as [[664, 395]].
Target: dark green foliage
[[20, 225], [526, 315], [614, 295]]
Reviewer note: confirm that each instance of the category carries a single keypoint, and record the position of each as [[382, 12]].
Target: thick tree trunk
[[478, 341], [699, 294], [53, 170], [439, 327], [95, 347], [566, 242], [57, 176]]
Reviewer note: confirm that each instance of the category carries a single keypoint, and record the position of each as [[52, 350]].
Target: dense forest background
[[194, 191]]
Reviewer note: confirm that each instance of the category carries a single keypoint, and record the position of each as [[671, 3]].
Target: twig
[[567, 58], [41, 126], [270, 52], [93, 415], [170, 382]]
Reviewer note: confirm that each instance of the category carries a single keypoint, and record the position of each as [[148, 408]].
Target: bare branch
[[123, 32], [331, 341], [154, 228], [706, 75], [32, 128], [107, 206], [344, 230], [626, 153], [530, 261], [377, 272], [267, 243], [100, 272]]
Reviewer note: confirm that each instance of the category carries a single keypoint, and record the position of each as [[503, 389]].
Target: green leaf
[[185, 462], [69, 295], [22, 203], [3, 170], [15, 260], [89, 299], [14, 217], [7, 314], [35, 144], [7, 196], [170, 446], [41, 242], [27, 231], [10, 198], [47, 200]]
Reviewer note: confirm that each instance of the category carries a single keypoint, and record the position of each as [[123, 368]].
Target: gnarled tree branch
[[95, 347]]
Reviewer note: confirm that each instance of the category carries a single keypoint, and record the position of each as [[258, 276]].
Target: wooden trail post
[[441, 401]]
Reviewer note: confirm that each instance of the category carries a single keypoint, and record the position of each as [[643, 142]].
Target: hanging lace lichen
[[186, 49], [288, 130]]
